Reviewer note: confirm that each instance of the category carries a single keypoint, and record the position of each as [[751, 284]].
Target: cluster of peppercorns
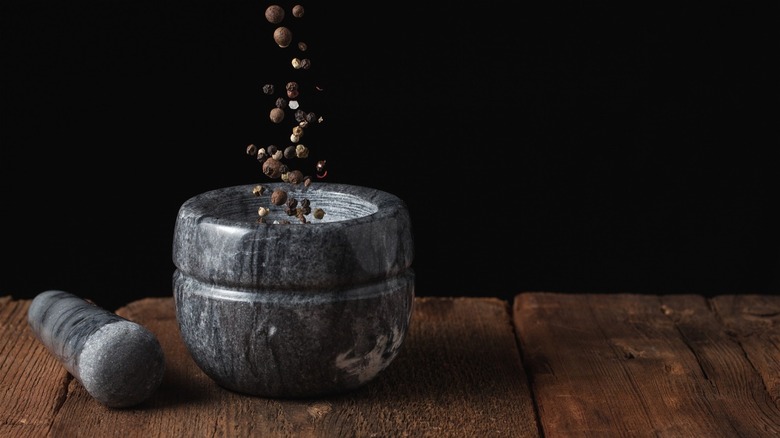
[[274, 159], [291, 205]]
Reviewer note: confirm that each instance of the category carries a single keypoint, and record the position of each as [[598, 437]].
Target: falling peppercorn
[[278, 197], [282, 36], [274, 14], [272, 168], [322, 172], [277, 163], [277, 115]]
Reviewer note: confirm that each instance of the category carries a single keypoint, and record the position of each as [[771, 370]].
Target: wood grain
[[645, 365], [459, 374]]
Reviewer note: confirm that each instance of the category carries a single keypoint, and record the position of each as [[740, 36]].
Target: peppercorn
[[258, 190], [278, 197], [297, 11], [278, 155], [311, 117], [268, 89], [292, 202], [304, 63], [296, 63], [277, 115], [272, 168], [274, 14], [271, 149], [297, 130], [305, 202], [319, 213], [251, 149], [302, 46], [281, 102], [289, 152], [284, 176], [282, 36], [300, 115], [295, 177], [294, 138], [290, 86], [293, 104], [301, 151], [321, 172], [261, 155], [292, 94], [307, 181], [263, 211]]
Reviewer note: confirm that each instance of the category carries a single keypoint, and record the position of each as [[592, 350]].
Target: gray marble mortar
[[293, 310]]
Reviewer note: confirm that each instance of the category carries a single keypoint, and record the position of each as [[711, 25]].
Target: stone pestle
[[119, 362]]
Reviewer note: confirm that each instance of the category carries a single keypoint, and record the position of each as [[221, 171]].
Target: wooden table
[[546, 365]]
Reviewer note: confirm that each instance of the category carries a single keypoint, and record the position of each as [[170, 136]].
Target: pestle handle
[[119, 362]]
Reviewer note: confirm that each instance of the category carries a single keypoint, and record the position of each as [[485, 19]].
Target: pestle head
[[119, 362]]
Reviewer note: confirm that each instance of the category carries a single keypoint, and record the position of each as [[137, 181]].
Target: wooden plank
[[637, 365], [32, 383], [459, 374], [753, 321]]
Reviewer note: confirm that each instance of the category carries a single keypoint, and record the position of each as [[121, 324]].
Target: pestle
[[119, 362]]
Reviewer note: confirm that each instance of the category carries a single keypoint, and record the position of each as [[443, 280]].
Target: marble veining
[[119, 362], [294, 310], [233, 249]]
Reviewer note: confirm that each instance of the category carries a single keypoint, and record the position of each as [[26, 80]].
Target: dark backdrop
[[539, 146]]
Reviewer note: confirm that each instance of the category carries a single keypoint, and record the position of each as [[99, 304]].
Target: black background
[[541, 146]]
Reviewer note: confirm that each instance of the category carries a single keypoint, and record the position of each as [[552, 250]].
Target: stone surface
[[365, 235], [119, 362], [299, 309]]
